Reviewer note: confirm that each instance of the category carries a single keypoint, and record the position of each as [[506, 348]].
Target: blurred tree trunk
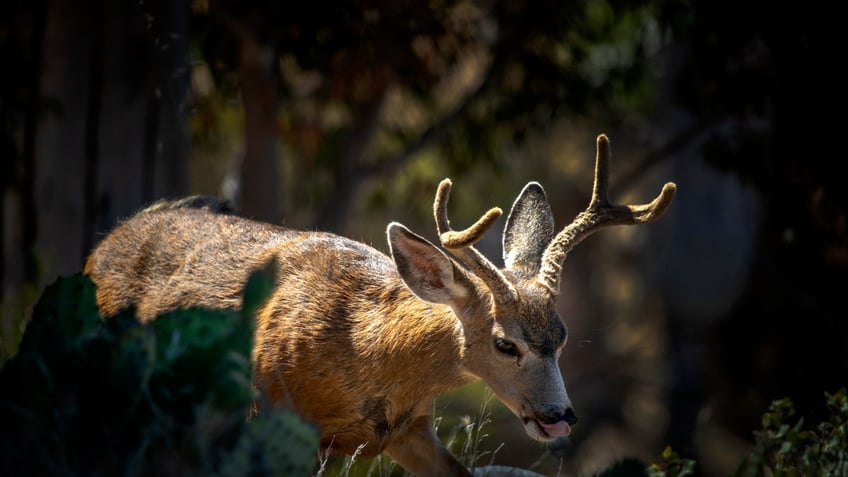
[[258, 190], [119, 72], [24, 28], [349, 173], [142, 143], [58, 162]]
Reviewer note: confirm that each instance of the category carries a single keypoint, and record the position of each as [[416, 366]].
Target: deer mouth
[[543, 432]]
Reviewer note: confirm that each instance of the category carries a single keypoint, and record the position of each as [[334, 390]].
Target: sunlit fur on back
[[341, 337], [361, 342]]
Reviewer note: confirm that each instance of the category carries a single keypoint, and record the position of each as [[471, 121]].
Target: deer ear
[[425, 269], [528, 231]]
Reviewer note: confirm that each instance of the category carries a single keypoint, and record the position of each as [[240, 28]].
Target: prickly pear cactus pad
[[88, 396]]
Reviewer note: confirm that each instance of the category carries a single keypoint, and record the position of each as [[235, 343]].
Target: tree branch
[[437, 130], [697, 132]]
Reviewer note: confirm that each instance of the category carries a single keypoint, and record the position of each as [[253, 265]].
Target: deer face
[[514, 347], [517, 355], [528, 333], [512, 333]]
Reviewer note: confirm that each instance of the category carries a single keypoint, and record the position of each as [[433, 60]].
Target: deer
[[361, 342]]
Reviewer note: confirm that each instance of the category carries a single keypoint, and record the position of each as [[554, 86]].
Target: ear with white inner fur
[[528, 231], [424, 268]]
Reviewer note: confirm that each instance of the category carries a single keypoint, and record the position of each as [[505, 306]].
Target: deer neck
[[426, 338]]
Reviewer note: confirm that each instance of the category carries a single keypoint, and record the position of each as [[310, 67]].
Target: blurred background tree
[[343, 116]]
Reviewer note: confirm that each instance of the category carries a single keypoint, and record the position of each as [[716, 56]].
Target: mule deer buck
[[360, 342]]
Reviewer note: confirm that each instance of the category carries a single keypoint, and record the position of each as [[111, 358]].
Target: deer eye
[[506, 347]]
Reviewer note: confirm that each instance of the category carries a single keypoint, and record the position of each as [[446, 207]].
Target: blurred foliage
[[785, 447], [88, 396], [367, 89], [672, 465]]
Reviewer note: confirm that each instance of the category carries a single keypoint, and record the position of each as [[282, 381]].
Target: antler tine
[[600, 213], [461, 244], [452, 239]]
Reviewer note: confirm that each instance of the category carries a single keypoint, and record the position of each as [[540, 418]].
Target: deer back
[[341, 339]]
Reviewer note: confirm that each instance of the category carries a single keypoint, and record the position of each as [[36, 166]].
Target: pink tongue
[[561, 428]]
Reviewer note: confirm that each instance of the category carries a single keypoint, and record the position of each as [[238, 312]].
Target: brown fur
[[361, 342], [338, 305]]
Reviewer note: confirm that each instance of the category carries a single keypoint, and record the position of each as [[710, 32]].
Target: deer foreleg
[[420, 451]]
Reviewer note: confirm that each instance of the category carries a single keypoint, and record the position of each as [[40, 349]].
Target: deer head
[[511, 333]]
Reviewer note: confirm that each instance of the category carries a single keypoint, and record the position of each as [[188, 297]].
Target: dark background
[[343, 116]]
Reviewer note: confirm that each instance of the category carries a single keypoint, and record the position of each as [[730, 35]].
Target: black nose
[[570, 417], [554, 414]]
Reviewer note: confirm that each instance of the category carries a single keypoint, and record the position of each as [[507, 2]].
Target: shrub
[[783, 447], [88, 396], [786, 448]]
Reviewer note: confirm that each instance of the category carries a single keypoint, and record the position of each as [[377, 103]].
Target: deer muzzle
[[550, 423]]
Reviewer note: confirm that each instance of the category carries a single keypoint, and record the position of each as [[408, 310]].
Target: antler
[[600, 213], [461, 245]]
